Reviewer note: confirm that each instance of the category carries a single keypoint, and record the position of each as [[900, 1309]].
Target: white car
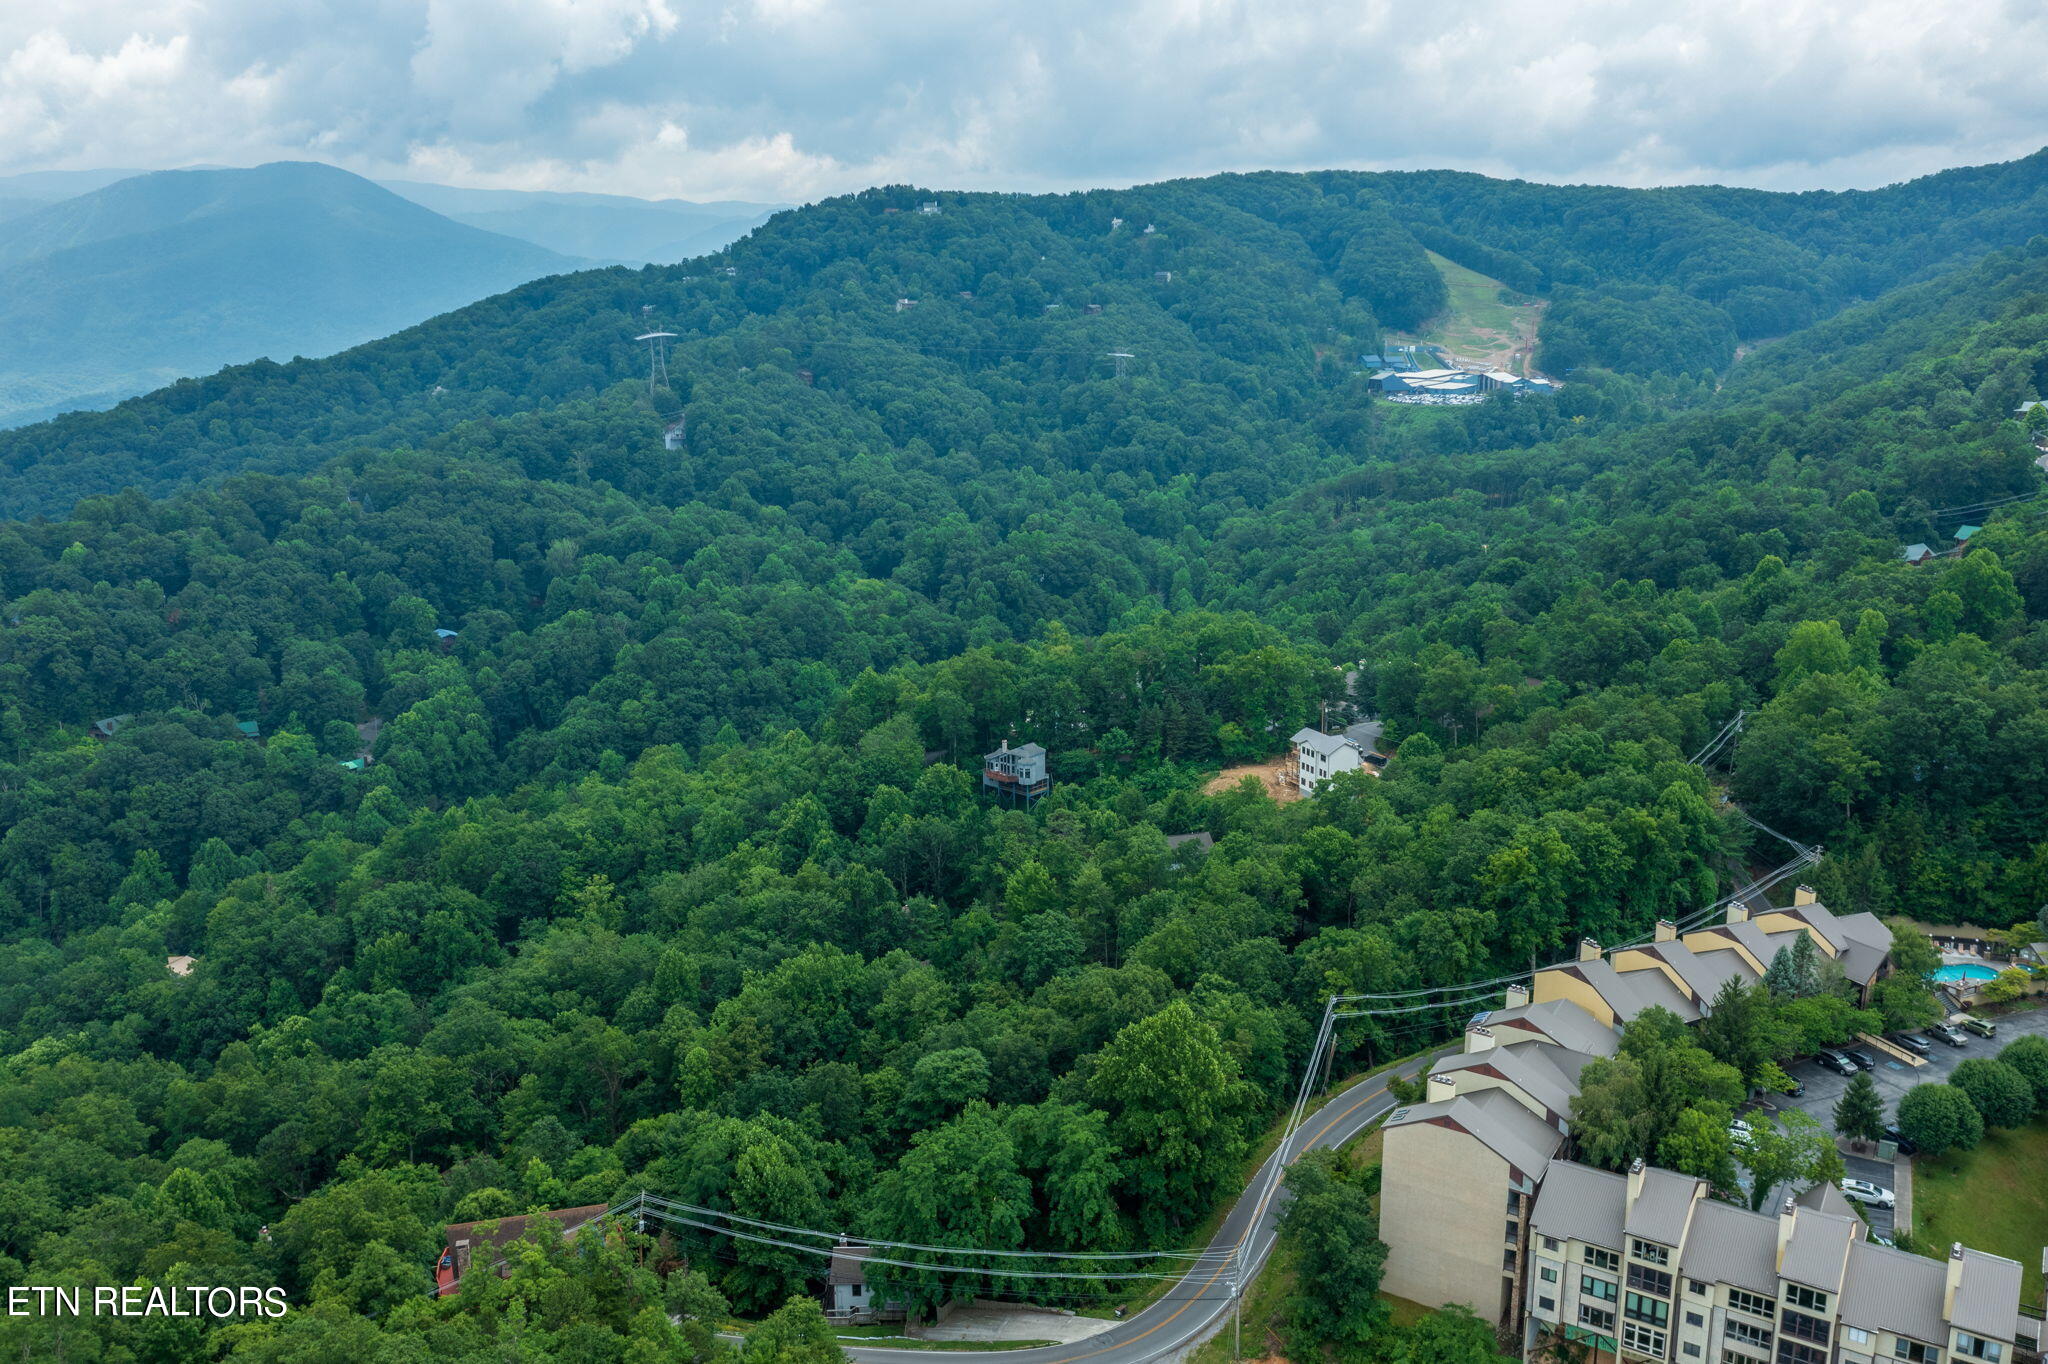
[[1739, 1132], [1863, 1191]]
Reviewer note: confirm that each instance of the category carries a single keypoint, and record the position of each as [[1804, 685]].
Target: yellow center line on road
[[1217, 1273]]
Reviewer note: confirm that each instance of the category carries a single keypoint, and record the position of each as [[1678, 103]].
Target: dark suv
[[1838, 1063], [1897, 1138], [1907, 1042], [1862, 1059]]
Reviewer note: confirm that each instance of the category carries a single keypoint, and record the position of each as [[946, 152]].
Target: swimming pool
[[1964, 970]]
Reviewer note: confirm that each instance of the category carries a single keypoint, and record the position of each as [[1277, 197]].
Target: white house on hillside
[[1317, 755]]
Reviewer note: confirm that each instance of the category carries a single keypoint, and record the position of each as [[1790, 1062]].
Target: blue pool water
[[1965, 971]]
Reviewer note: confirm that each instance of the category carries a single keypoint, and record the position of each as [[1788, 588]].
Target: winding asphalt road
[[1201, 1300]]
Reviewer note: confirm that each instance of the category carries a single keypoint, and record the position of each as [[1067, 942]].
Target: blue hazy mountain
[[154, 277], [606, 227]]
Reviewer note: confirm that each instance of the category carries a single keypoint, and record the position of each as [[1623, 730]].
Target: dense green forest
[[668, 868]]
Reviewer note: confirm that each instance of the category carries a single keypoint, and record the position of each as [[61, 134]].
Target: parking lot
[[1893, 1078]]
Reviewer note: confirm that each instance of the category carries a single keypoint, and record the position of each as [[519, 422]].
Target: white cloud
[[791, 99]]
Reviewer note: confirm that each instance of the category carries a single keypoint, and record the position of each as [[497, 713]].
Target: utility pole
[[1122, 358], [1237, 1298]]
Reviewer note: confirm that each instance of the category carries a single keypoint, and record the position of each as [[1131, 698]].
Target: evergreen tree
[[1859, 1113]]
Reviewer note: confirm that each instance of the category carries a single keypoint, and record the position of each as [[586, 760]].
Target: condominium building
[[1481, 1204], [1646, 1266]]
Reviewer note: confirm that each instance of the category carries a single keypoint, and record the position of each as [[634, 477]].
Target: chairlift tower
[[657, 359], [1122, 358]]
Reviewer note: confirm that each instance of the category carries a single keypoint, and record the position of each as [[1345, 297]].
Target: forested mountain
[[179, 272], [604, 227], [1278, 276], [669, 869]]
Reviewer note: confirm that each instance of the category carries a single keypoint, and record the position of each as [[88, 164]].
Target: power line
[[1991, 505], [648, 1205], [701, 1211]]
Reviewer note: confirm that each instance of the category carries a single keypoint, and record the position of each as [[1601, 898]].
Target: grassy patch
[[1406, 1312], [1265, 1314], [1994, 1198], [1367, 1146], [1479, 325]]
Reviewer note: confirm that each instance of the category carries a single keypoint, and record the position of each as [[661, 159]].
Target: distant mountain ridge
[[603, 227], [177, 273], [1226, 273]]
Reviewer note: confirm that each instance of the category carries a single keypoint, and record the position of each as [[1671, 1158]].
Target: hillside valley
[[555, 783]]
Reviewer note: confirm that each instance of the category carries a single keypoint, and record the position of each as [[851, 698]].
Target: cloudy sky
[[788, 100]]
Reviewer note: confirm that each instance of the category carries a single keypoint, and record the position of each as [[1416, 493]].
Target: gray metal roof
[[1628, 993], [1546, 1073], [1891, 1290], [1869, 942], [1820, 918], [1988, 1297], [1732, 1245], [1317, 742], [1817, 1254], [1663, 1207], [1560, 1020], [1580, 1203], [1497, 1121], [1825, 1197], [1703, 972], [1762, 945], [1880, 1288]]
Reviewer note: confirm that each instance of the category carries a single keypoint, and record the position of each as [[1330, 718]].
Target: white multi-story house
[[1318, 756]]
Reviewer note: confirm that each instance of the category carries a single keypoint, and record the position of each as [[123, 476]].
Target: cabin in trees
[[1016, 772], [483, 1243], [1916, 553], [106, 729], [1318, 755], [849, 1300]]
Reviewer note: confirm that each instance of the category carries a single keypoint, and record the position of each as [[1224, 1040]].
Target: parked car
[[1863, 1191], [1739, 1132], [1983, 1027], [1897, 1138], [1863, 1059], [1905, 1041], [1798, 1088], [1942, 1032], [1838, 1063]]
